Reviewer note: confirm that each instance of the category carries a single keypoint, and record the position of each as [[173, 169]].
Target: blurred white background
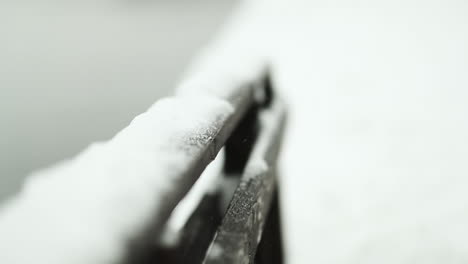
[[73, 72]]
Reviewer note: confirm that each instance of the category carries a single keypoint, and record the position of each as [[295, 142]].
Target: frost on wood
[[86, 209]]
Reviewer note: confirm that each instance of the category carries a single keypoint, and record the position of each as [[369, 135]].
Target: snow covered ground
[[375, 169]]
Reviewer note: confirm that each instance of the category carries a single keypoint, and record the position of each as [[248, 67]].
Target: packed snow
[[86, 209]]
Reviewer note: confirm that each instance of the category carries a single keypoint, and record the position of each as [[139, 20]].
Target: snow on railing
[[110, 203]]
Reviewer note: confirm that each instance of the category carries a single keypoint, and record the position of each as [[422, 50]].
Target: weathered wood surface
[[237, 238]]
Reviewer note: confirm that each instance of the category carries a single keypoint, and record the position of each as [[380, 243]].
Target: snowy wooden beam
[[115, 196], [112, 199]]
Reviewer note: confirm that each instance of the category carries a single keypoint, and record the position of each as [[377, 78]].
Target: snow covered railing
[[249, 230], [117, 201]]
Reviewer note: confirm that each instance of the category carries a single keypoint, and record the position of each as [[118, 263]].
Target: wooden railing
[[249, 229], [129, 200]]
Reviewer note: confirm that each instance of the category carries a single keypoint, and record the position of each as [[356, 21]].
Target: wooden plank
[[237, 238]]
